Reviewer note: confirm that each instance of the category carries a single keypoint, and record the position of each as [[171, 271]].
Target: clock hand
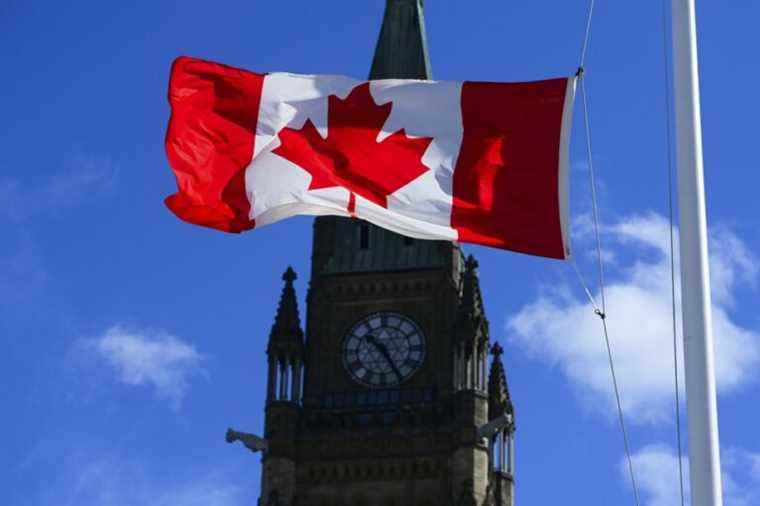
[[393, 366], [384, 352]]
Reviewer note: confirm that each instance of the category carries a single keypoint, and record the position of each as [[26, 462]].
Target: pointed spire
[[498, 391], [401, 51], [287, 323], [471, 311], [470, 284]]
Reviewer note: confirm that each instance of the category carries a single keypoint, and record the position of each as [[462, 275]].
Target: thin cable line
[[620, 412], [587, 33], [602, 313], [666, 63], [583, 284], [592, 184]]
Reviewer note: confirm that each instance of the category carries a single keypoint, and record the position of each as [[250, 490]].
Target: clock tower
[[379, 401]]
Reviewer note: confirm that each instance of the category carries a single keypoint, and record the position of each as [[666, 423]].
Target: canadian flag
[[476, 162]]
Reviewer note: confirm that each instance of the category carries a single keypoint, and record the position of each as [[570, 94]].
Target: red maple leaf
[[350, 156]]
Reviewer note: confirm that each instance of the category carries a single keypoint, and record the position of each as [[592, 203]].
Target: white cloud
[[149, 358], [656, 468], [731, 263], [561, 329]]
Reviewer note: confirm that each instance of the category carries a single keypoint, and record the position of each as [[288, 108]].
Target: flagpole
[[704, 454]]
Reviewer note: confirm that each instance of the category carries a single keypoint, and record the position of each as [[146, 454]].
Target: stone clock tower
[[379, 401]]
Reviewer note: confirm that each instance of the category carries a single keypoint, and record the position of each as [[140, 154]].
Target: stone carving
[[253, 443]]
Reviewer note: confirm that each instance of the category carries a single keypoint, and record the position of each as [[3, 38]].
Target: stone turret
[[470, 357], [471, 336], [499, 401], [285, 349], [502, 444], [285, 353]]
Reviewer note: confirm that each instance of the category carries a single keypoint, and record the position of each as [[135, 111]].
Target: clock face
[[383, 349]]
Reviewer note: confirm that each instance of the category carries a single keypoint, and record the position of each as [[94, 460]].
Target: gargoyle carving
[[253, 443]]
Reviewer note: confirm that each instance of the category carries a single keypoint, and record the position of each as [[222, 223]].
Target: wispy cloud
[[560, 329], [87, 478], [657, 473], [148, 358], [210, 490], [22, 272], [87, 176], [22, 262]]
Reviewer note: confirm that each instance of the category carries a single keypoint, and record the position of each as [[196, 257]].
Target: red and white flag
[[475, 162]]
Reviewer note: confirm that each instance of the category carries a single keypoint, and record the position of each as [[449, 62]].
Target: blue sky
[[132, 341]]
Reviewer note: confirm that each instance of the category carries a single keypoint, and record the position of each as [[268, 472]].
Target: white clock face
[[383, 349]]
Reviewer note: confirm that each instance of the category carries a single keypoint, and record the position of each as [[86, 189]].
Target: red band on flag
[[210, 140], [506, 182]]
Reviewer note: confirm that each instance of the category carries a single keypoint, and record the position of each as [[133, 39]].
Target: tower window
[[364, 236]]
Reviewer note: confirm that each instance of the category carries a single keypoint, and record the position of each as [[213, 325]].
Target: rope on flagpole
[[601, 312], [584, 285], [587, 33]]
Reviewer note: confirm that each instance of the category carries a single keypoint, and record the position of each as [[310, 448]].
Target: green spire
[[349, 245], [401, 51]]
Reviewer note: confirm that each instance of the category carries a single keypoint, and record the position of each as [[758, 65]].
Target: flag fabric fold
[[475, 162]]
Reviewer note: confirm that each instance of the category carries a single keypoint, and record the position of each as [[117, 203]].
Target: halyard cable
[[602, 313], [666, 63], [586, 33], [584, 285], [592, 184]]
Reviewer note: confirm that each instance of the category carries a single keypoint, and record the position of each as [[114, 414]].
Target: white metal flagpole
[[701, 405]]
